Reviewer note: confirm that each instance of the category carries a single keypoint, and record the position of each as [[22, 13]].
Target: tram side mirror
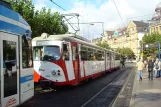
[[65, 47]]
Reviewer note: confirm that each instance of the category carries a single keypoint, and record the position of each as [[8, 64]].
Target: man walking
[[140, 66], [150, 68], [122, 62]]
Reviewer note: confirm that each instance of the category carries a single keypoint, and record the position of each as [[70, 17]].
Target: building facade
[[155, 27], [107, 35], [129, 37]]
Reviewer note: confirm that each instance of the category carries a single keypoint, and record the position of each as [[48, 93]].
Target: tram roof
[[12, 22], [68, 37]]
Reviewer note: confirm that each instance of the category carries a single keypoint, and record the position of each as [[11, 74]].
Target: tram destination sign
[[41, 43]]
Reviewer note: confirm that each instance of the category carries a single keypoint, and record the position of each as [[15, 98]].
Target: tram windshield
[[46, 53]]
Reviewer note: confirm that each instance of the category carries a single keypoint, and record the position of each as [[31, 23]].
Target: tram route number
[[11, 102]]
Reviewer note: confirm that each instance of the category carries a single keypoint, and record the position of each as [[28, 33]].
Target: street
[[101, 91]]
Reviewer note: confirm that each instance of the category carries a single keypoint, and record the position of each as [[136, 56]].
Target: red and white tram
[[68, 60]]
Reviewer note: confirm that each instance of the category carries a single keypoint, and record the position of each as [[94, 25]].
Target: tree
[[40, 21], [127, 52], [48, 22], [150, 39], [104, 45]]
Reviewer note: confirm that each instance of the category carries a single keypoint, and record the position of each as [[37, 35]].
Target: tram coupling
[[46, 84]]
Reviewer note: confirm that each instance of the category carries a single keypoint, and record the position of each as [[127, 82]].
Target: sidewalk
[[146, 93]]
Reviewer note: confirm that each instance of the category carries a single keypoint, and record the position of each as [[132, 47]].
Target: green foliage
[[126, 52], [104, 45], [40, 21], [150, 39]]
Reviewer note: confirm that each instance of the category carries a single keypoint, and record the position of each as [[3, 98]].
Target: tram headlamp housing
[[53, 72]]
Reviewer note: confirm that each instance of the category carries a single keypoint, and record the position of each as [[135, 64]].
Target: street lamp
[[92, 23], [102, 26]]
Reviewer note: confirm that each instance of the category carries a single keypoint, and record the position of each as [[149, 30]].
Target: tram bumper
[[46, 83]]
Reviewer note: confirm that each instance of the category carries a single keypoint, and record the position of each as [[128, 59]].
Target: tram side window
[[83, 53], [97, 55], [108, 55], [91, 55], [100, 55], [117, 57], [66, 52], [27, 61], [112, 56], [73, 52]]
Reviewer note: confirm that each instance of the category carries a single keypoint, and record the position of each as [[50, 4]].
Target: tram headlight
[[53, 72], [58, 72]]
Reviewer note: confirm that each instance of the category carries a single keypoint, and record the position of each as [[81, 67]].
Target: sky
[[102, 11]]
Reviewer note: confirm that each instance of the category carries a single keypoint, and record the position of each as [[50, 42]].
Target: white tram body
[[16, 71], [67, 60]]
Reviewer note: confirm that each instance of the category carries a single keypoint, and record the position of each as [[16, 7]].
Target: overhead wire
[[140, 16], [118, 12], [58, 5], [68, 13], [62, 8]]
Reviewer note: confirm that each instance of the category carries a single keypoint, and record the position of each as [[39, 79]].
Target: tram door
[[75, 59], [107, 61], [9, 64]]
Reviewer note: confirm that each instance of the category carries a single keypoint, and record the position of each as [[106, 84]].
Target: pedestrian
[[150, 68], [123, 63], [140, 66], [157, 68], [146, 64]]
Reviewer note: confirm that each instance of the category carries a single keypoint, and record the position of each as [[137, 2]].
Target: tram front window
[[47, 53]]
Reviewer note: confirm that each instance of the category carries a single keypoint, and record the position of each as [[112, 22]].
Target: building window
[[145, 29], [156, 29]]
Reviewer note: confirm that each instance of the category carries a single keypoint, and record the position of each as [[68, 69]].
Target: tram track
[[94, 102], [74, 96]]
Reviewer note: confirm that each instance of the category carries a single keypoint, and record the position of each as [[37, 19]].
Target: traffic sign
[[154, 45]]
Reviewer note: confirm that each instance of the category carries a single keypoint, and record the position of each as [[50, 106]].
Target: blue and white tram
[[16, 71]]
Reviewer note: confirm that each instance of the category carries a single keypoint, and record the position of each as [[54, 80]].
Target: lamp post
[[102, 26]]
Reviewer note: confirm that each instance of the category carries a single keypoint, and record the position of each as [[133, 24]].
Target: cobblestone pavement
[[146, 93], [79, 95]]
